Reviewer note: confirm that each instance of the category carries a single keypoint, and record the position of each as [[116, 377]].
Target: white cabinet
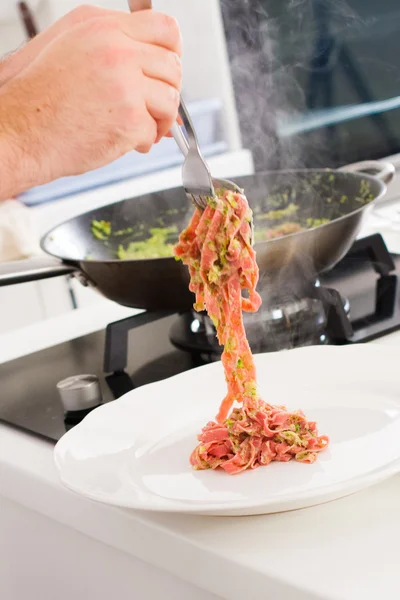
[[27, 303], [19, 306], [41, 559]]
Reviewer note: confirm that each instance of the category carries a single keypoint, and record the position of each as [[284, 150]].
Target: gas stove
[[45, 393]]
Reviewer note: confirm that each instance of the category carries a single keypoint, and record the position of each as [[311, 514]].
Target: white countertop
[[344, 550]]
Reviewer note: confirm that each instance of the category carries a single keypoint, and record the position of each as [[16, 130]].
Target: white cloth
[[18, 235]]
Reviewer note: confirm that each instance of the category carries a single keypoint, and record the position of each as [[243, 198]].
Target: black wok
[[162, 284]]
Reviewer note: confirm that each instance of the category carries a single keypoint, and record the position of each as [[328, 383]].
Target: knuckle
[[146, 135], [176, 66], [171, 66], [143, 148], [170, 24], [168, 102], [174, 99]]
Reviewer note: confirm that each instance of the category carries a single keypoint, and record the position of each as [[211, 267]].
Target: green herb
[[101, 229]]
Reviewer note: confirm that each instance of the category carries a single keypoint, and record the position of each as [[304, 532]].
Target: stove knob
[[80, 392]]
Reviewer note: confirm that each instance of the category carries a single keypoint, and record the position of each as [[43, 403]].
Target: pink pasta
[[216, 246]]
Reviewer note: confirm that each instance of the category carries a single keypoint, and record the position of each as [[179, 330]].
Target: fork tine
[[196, 177]]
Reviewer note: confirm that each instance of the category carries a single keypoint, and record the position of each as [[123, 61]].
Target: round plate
[[134, 452]]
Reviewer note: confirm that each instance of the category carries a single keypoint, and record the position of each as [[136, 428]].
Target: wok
[[341, 196]]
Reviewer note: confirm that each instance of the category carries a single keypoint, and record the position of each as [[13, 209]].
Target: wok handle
[[385, 171], [34, 269]]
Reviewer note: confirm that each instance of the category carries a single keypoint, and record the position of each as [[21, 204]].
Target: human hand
[[15, 62], [108, 85]]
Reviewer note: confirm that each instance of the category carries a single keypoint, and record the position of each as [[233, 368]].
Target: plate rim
[[306, 498]]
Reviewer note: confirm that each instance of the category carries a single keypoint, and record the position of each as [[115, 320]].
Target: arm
[[19, 169]]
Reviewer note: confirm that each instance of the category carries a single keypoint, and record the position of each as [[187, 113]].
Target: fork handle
[[134, 5], [191, 141], [180, 139]]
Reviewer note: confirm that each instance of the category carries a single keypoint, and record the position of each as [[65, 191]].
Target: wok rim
[[358, 175]]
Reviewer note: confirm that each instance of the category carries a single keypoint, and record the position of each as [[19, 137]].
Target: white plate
[[134, 452]]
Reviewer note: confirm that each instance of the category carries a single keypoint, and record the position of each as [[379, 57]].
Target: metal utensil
[[196, 176], [183, 145], [135, 5]]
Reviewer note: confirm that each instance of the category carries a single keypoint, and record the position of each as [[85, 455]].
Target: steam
[[274, 48]]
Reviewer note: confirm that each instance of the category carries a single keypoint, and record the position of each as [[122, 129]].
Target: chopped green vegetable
[[214, 274], [302, 455], [121, 232], [277, 215], [214, 320], [230, 345], [291, 438], [156, 246], [316, 222], [101, 229]]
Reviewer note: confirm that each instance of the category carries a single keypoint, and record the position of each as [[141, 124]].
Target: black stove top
[[357, 301]]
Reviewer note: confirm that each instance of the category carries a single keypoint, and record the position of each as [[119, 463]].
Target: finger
[[75, 17], [146, 135], [162, 101], [170, 134], [161, 64], [152, 27]]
